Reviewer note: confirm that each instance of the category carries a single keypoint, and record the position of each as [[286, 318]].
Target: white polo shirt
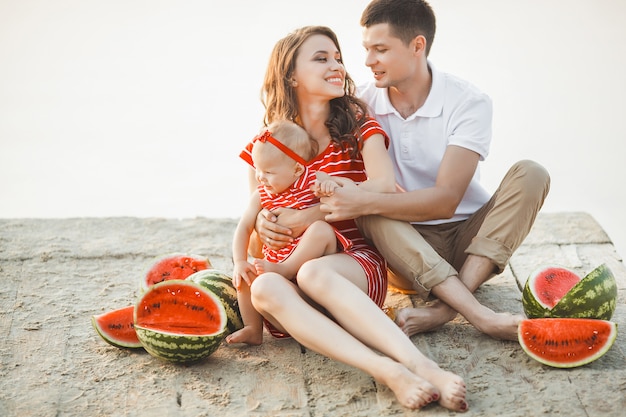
[[455, 113]]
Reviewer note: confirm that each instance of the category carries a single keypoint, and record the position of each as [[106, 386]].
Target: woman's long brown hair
[[279, 97]]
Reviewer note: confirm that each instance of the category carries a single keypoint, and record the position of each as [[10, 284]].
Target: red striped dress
[[335, 161], [298, 196]]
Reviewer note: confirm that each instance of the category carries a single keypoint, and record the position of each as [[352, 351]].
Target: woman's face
[[319, 70]]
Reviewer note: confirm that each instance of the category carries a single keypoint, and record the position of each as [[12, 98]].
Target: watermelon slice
[[566, 342], [559, 292], [173, 266], [117, 328]]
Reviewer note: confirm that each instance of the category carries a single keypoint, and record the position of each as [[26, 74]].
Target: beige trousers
[[426, 255]]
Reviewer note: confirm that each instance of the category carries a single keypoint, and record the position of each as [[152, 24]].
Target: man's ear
[[419, 44]]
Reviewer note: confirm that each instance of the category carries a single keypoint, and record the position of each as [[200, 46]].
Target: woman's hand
[[278, 228], [270, 232]]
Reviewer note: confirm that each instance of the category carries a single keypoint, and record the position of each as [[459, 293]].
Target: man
[[444, 235]]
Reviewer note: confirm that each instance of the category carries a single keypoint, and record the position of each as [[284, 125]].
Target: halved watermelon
[[173, 266], [566, 342], [180, 321], [559, 292], [117, 327]]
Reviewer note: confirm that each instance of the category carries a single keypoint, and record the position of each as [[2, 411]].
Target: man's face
[[390, 60]]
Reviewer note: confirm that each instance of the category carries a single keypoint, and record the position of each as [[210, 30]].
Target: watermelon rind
[[566, 342], [221, 285], [108, 336], [178, 347], [144, 284], [533, 307], [594, 297]]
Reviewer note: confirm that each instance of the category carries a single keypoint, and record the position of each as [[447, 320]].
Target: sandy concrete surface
[[56, 274]]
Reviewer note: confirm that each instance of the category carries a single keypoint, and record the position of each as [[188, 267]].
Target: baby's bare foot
[[262, 266], [250, 335]]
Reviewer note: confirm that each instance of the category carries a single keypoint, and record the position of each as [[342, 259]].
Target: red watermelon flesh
[[117, 327], [551, 284], [566, 342], [181, 308], [175, 266]]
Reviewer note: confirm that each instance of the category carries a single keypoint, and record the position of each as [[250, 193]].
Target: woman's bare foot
[[450, 386], [249, 334], [411, 390], [423, 319]]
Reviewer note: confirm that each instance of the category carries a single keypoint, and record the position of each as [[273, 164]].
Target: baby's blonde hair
[[294, 137]]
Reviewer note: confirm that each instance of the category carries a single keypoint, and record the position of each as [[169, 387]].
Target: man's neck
[[409, 96]]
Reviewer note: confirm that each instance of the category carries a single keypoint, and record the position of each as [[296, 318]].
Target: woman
[[334, 307]]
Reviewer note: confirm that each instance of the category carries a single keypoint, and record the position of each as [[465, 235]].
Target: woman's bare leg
[[323, 281], [278, 300]]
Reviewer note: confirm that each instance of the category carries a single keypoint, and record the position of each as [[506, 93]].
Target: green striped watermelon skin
[[221, 285], [178, 348], [593, 297]]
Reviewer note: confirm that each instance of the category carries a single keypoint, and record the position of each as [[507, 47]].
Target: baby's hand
[[243, 270], [327, 188], [325, 185]]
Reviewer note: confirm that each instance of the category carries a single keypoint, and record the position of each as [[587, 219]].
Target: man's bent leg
[[513, 210], [416, 264], [408, 254], [503, 223]]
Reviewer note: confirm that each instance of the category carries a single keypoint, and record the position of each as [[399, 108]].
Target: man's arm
[[438, 202]]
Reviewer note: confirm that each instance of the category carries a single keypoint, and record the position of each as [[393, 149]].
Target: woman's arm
[[378, 166], [437, 202]]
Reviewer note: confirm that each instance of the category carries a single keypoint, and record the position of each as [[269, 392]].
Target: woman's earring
[[294, 83]]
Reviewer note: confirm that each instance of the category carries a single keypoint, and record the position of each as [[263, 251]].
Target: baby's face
[[274, 170]]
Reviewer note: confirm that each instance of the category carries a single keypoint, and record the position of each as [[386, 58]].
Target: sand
[[56, 273]]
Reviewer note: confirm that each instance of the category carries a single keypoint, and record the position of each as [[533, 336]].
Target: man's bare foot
[[424, 319], [411, 390], [250, 335], [450, 386], [501, 326]]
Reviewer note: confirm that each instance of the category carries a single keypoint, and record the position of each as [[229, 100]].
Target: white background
[[140, 108]]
